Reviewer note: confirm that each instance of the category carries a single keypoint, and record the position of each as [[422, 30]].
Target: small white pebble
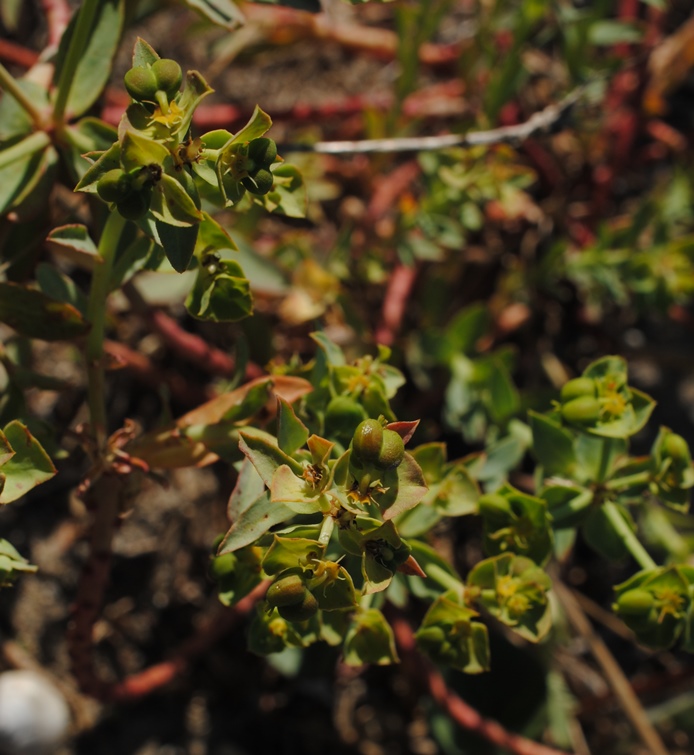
[[34, 716]]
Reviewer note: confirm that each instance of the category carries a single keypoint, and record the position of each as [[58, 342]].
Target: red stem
[[462, 713], [11, 52], [400, 285], [57, 18]]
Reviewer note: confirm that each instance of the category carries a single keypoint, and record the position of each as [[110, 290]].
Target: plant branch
[[462, 713], [631, 542], [96, 315], [541, 122], [614, 674], [10, 85]]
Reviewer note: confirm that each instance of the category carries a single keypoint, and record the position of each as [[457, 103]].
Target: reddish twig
[[400, 285], [11, 52], [57, 14], [187, 345], [462, 713], [142, 367], [155, 677]]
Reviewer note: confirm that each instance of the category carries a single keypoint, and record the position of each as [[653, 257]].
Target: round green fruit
[[430, 637], [635, 602], [367, 441], [141, 84], [286, 591], [262, 151], [114, 186], [580, 386], [135, 205], [260, 183], [303, 611], [584, 411], [168, 75], [223, 566], [392, 450], [675, 447]]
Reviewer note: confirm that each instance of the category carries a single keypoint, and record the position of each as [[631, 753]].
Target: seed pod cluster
[[120, 188], [579, 402], [377, 446], [143, 82], [262, 152], [292, 599]]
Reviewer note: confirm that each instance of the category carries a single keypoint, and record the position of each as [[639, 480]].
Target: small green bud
[[260, 183], [580, 386], [584, 410], [367, 441], [286, 591], [114, 186], [135, 205], [302, 611], [635, 602], [675, 447], [141, 83], [168, 75], [223, 566], [262, 151], [430, 637], [392, 450]]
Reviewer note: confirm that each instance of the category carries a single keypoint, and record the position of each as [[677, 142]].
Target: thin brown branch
[[400, 285], [615, 676], [462, 713], [187, 345], [541, 122], [10, 52]]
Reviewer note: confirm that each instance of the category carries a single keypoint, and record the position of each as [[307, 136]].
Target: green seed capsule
[[141, 83], [223, 566], [262, 151], [584, 410], [260, 183], [367, 441], [392, 450], [286, 591], [635, 602], [114, 186], [675, 447], [135, 205], [430, 637], [302, 611], [580, 386], [168, 75]]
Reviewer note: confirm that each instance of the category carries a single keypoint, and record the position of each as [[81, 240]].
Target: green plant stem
[[605, 459], [639, 478], [10, 85], [29, 146], [632, 543], [96, 314], [80, 38], [444, 579]]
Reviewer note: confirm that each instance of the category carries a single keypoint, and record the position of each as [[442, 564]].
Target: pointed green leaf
[[552, 445], [291, 433], [370, 640], [35, 315], [28, 467], [224, 13]]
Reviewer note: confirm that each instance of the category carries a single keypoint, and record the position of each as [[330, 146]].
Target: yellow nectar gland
[[671, 603]]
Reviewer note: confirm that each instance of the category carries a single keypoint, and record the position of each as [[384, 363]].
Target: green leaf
[[143, 54], [21, 168], [88, 135], [178, 244], [607, 32], [172, 205], [406, 488], [6, 452], [28, 467], [288, 194], [257, 125], [266, 456], [105, 161], [290, 553], [14, 119], [196, 89], [224, 13], [137, 151], [601, 536], [221, 292], [236, 574], [294, 492], [96, 58], [292, 434], [35, 315], [73, 242], [552, 445], [568, 505], [60, 287], [370, 640]]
